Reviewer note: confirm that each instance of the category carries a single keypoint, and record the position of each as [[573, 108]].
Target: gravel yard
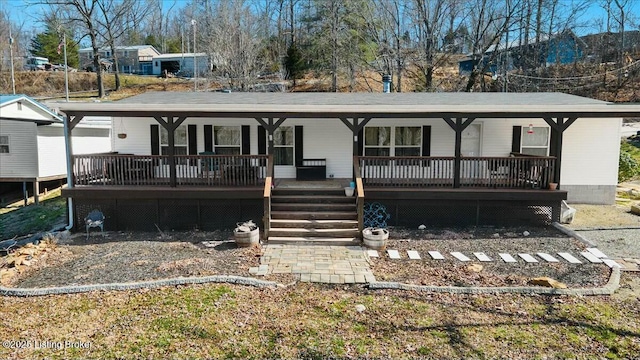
[[128, 257], [613, 229], [491, 241]]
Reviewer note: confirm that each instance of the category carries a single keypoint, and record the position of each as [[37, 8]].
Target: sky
[[24, 12]]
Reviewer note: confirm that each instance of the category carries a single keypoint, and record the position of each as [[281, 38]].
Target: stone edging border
[[612, 285], [23, 292]]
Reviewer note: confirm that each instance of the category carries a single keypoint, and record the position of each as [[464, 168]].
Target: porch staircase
[[313, 217]]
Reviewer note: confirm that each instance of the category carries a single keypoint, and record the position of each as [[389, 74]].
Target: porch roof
[[337, 105]]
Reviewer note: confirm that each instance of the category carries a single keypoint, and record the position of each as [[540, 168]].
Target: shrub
[[628, 168]]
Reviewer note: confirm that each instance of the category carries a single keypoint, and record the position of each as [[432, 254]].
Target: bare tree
[[232, 41], [429, 19], [114, 23], [389, 26], [489, 20], [20, 42], [84, 13]]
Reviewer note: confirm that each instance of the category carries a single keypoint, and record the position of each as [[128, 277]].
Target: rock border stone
[[74, 289]]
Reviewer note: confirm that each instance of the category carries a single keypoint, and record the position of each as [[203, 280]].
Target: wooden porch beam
[[559, 125], [170, 124], [270, 126], [458, 127], [355, 125], [74, 120]]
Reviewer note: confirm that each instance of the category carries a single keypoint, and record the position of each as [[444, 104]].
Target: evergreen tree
[[294, 63], [47, 44]]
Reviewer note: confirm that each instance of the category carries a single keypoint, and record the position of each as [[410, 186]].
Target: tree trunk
[[96, 61]]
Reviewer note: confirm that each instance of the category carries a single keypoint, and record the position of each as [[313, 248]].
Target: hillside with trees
[[347, 45]]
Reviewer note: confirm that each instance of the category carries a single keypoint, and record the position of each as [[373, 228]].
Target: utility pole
[[195, 66], [66, 67], [13, 76]]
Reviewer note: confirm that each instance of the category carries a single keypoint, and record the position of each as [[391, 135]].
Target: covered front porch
[[216, 191], [168, 166]]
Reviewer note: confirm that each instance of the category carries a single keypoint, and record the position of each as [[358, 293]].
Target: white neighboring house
[[182, 64], [32, 146]]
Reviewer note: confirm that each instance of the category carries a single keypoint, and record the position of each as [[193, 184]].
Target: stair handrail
[[359, 194], [268, 184]]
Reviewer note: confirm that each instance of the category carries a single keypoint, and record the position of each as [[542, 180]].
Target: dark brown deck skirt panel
[[141, 208], [468, 207]]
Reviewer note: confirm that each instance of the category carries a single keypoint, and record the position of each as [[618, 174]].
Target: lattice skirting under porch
[[412, 213], [170, 214]]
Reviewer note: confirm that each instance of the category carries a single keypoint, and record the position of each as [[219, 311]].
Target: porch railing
[[488, 172], [268, 184], [191, 170], [359, 194]]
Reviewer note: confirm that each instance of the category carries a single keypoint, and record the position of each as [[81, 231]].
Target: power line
[[575, 77]]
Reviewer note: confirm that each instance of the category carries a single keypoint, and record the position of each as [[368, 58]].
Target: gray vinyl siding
[[22, 160]]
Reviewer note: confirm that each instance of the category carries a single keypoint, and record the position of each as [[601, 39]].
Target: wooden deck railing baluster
[[191, 170], [488, 172], [359, 194]]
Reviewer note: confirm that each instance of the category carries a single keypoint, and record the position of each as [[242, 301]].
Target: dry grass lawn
[[319, 322]]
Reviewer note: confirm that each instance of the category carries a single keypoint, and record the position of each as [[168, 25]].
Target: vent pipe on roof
[[386, 84]]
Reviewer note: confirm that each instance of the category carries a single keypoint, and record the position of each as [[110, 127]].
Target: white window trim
[[292, 146], [215, 144], [378, 146], [8, 144], [175, 145], [524, 131], [392, 140]]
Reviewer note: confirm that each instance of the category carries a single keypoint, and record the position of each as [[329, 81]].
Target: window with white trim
[[377, 141], [179, 141], [227, 140], [535, 141], [19, 106], [4, 144], [283, 145], [408, 140], [393, 141]]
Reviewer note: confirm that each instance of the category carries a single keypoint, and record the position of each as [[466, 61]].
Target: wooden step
[[315, 215], [312, 207], [303, 232], [314, 224], [333, 199], [312, 192], [324, 241]]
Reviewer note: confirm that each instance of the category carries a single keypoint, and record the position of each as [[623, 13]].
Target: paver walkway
[[324, 264]]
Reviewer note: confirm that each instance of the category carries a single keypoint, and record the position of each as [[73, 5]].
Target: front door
[[471, 137], [471, 171], [284, 152]]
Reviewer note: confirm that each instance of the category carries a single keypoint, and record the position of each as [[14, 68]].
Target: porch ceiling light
[[530, 131]]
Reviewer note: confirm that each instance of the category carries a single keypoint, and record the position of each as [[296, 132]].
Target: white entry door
[[471, 171], [284, 152], [471, 137]]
